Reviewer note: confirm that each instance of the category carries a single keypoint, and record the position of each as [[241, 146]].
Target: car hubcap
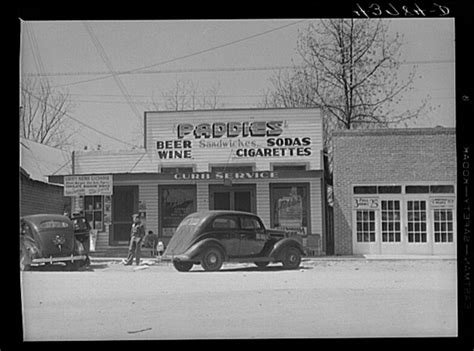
[[212, 259]]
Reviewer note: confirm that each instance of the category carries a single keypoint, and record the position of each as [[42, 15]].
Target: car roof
[[38, 218], [213, 213]]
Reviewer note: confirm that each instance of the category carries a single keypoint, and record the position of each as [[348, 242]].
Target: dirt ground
[[324, 298]]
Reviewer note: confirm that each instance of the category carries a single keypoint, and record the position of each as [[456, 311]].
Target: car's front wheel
[[182, 266], [291, 258], [212, 259]]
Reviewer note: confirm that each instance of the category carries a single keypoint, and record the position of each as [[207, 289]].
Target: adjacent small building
[[395, 191], [265, 161], [37, 194]]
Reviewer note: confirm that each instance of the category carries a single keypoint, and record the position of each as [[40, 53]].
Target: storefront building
[[395, 191], [265, 161]]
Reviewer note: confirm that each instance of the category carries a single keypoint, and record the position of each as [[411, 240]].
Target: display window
[[177, 202], [290, 208], [93, 211]]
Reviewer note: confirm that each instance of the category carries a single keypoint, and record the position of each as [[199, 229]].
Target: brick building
[[394, 191]]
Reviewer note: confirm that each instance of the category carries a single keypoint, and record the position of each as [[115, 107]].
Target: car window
[[53, 224], [225, 223], [250, 223]]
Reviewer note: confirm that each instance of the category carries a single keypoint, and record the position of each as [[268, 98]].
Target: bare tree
[[42, 114], [187, 95], [350, 68]]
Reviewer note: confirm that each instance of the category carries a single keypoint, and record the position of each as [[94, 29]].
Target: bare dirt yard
[[325, 298]]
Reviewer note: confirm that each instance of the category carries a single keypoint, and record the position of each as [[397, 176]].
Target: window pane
[[417, 189], [441, 189], [365, 190], [396, 189]]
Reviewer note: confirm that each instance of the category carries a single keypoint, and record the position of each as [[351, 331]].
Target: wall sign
[[88, 185], [365, 203], [439, 203], [225, 175], [242, 139]]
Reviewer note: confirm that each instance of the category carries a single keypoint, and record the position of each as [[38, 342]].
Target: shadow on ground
[[63, 268], [254, 269]]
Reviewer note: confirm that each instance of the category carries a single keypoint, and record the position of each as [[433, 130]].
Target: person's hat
[[136, 215]]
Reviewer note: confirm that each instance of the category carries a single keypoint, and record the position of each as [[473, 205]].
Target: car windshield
[[190, 222]]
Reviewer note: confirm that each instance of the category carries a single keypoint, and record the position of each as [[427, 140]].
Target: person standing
[[136, 236]]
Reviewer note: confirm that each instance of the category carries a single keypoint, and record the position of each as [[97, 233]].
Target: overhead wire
[[187, 55], [80, 122], [108, 63]]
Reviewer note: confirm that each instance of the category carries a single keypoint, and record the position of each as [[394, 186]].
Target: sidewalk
[[369, 257]]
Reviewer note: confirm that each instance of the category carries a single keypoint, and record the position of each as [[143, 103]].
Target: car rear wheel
[[291, 258], [182, 266], [212, 259]]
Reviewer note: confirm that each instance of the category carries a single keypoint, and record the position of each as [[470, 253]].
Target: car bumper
[[51, 259], [177, 258]]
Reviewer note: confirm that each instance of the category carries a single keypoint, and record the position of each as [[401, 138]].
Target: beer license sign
[[81, 185]]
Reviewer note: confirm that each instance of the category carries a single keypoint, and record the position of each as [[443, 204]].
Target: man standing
[[136, 235]]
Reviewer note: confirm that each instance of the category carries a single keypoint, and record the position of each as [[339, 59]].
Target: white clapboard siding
[[148, 194], [97, 162]]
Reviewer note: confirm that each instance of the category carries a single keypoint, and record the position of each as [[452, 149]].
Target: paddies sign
[[242, 140], [82, 185]]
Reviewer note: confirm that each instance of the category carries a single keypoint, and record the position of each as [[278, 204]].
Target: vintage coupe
[[211, 238], [49, 239]]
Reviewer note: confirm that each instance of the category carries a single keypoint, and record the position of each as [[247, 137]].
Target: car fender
[[195, 251], [282, 244]]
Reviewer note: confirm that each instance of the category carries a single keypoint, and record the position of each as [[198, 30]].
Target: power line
[[203, 70], [78, 121], [108, 63], [187, 55]]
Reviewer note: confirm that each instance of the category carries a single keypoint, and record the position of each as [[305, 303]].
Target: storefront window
[[290, 208], [443, 226], [176, 204], [93, 210]]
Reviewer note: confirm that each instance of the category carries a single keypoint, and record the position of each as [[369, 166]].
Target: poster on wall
[[290, 210], [177, 203]]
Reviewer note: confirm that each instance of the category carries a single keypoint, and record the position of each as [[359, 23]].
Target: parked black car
[[49, 239], [211, 238]]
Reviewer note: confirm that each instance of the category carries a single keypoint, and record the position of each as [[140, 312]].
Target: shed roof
[[39, 160]]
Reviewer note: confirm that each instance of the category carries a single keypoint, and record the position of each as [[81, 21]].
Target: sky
[[237, 56]]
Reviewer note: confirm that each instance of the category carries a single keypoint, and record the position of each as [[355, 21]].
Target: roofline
[[394, 131], [237, 109]]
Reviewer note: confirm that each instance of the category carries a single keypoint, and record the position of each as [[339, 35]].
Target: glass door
[[391, 238], [417, 227]]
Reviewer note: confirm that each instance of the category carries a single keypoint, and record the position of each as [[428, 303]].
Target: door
[[124, 205], [252, 236], [226, 229], [417, 226], [391, 239], [236, 198]]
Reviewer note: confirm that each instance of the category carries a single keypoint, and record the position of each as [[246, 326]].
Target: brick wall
[[386, 156]]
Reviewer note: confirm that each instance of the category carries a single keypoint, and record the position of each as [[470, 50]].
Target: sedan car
[[211, 238], [49, 239]]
